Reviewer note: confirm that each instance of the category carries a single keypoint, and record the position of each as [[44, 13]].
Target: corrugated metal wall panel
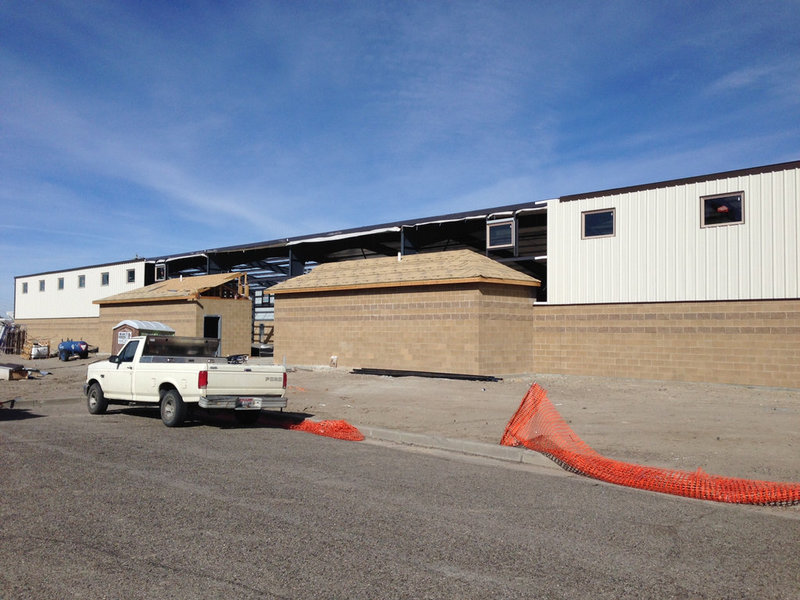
[[661, 253], [72, 301]]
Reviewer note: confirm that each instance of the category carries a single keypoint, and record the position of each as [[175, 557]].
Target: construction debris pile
[[12, 337]]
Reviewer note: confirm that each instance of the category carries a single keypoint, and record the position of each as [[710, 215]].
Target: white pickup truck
[[179, 373]]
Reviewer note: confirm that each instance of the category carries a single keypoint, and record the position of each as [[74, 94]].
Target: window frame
[[613, 233], [60, 283], [131, 275], [105, 278], [24, 287], [81, 281], [41, 285], [703, 199], [496, 223]]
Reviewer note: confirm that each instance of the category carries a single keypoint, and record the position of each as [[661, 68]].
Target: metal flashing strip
[[787, 166], [342, 236]]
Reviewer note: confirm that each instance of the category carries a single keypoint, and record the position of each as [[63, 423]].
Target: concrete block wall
[[432, 328], [185, 317], [181, 316], [506, 330], [743, 342], [87, 329], [236, 322]]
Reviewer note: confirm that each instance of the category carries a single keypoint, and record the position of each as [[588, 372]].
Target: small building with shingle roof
[[215, 306], [448, 312]]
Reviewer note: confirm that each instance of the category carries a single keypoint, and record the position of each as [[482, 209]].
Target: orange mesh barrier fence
[[538, 426], [341, 430]]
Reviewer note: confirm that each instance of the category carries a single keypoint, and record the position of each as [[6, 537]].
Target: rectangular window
[[61, 283], [722, 209], [500, 233], [104, 278], [24, 287], [599, 223], [41, 285], [161, 272], [81, 281], [131, 275]]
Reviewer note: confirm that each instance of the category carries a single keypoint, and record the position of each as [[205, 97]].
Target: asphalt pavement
[[119, 506]]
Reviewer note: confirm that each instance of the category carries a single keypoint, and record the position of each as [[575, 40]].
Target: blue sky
[[155, 128]]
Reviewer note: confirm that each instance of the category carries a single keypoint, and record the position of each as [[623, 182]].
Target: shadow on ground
[[17, 414], [219, 418]]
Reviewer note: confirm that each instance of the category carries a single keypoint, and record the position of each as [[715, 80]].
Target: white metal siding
[[73, 301], [661, 253]]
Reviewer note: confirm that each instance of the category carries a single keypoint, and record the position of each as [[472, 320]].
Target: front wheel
[[95, 400], [173, 409]]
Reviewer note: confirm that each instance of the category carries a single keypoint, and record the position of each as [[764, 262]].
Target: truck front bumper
[[242, 403]]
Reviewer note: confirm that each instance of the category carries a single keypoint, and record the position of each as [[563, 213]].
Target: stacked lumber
[[27, 349]]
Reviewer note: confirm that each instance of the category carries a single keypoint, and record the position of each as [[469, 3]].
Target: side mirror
[[114, 359]]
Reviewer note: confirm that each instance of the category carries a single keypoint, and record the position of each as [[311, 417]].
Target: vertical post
[[296, 264]]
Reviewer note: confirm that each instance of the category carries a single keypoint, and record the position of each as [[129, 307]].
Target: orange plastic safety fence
[[537, 425], [341, 430]]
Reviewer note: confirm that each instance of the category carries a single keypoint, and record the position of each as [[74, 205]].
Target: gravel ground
[[736, 431]]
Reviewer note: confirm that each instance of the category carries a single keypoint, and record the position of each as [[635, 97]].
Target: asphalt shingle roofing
[[186, 288], [457, 266]]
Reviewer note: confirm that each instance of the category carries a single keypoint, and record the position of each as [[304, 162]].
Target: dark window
[[599, 223], [81, 281], [41, 285], [131, 275], [722, 209], [128, 352], [104, 278], [24, 287], [500, 233], [161, 272], [61, 283]]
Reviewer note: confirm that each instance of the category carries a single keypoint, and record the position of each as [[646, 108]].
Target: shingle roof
[[435, 268], [186, 288]]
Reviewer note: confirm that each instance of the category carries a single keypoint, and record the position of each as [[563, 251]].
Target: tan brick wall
[[54, 331], [744, 342], [435, 328], [237, 322], [186, 318], [506, 321], [181, 316]]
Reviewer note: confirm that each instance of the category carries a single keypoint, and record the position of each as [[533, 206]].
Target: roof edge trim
[[421, 282], [786, 166]]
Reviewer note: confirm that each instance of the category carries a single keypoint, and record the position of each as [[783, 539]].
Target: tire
[[62, 355], [247, 417], [84, 355], [173, 409], [95, 400]]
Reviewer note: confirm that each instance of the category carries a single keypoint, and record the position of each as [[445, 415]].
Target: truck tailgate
[[245, 380]]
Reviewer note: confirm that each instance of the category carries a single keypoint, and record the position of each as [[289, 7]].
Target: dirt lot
[[737, 431]]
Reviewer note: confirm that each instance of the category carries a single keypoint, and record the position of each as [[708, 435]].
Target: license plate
[[249, 403]]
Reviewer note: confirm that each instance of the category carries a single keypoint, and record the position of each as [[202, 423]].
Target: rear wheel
[[247, 417], [173, 409], [95, 400]]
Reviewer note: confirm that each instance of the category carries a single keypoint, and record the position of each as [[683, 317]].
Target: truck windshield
[[180, 346]]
